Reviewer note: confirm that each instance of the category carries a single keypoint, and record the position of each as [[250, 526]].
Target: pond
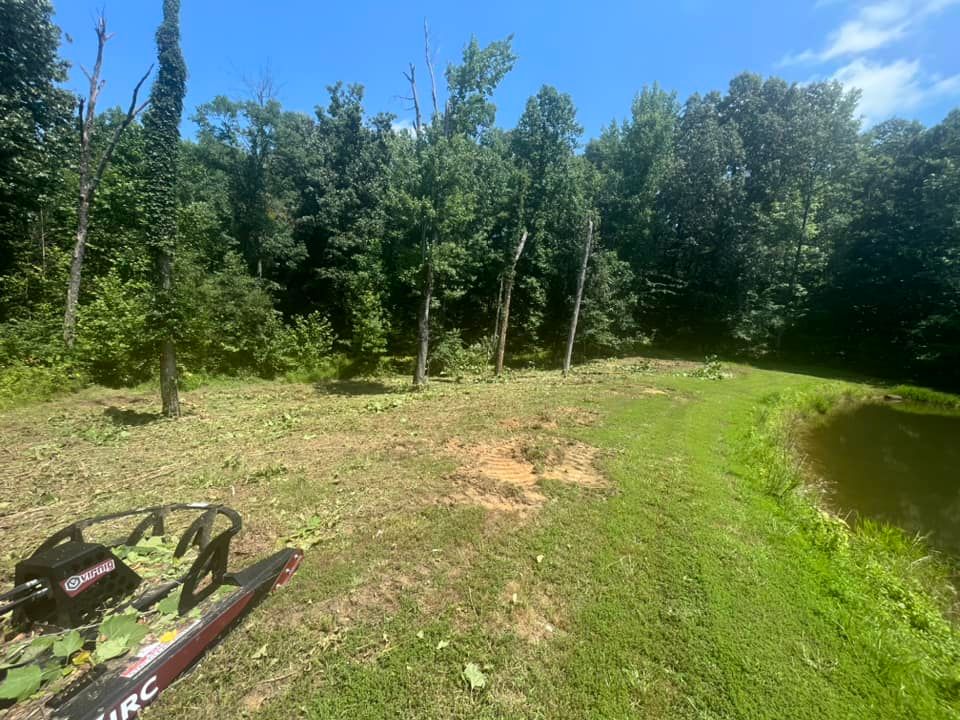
[[895, 462]]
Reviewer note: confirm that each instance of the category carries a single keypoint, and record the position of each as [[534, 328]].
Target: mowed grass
[[683, 589]]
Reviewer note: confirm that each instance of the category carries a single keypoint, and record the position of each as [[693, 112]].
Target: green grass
[[702, 583], [925, 395]]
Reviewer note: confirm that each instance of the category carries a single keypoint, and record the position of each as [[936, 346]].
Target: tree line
[[760, 221]]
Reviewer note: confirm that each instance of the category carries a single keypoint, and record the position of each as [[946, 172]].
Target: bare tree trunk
[[433, 76], [43, 248], [169, 394], [423, 326], [496, 319], [579, 297], [89, 177], [507, 292], [412, 79], [76, 267]]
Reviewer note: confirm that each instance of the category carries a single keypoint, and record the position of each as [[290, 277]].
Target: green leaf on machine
[[21, 682], [123, 628], [37, 647], [50, 673], [151, 543], [68, 644], [169, 605], [110, 649]]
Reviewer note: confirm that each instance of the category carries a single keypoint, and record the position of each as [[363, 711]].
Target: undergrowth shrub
[[20, 383], [34, 340], [34, 363], [229, 325], [114, 341], [306, 343], [712, 369], [449, 356]]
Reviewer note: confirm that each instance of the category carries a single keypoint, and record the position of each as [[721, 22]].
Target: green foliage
[[712, 369], [307, 343], [21, 383], [67, 645], [228, 324], [35, 115], [754, 221], [474, 677], [472, 82], [608, 315], [450, 357], [371, 328], [21, 682], [114, 335], [927, 396]]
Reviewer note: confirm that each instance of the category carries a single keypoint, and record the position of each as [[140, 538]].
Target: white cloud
[[888, 87], [894, 87], [875, 25], [402, 126]]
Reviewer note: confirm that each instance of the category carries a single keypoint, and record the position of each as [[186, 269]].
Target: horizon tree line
[[762, 222]]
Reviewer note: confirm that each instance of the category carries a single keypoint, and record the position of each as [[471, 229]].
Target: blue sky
[[902, 53]]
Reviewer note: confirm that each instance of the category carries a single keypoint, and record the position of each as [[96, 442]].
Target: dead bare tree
[[429, 236], [433, 76], [91, 176], [578, 299], [426, 288], [508, 279], [412, 79]]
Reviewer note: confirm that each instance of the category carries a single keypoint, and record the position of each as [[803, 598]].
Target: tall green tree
[[35, 118], [448, 155], [340, 163], [162, 137], [239, 139], [637, 160]]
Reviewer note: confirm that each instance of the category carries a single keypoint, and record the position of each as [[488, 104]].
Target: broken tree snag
[[505, 308], [423, 321], [90, 177], [412, 79], [579, 297], [433, 75]]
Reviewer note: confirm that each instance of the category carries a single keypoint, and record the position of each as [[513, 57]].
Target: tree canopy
[[760, 221]]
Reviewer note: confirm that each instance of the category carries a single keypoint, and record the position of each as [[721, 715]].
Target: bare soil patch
[[506, 476], [530, 615]]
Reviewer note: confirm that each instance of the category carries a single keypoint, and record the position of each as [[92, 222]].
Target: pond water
[[894, 462]]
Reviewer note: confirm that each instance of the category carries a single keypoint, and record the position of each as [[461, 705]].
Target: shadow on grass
[[131, 418], [350, 388]]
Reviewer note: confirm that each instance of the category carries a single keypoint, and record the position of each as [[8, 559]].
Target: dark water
[[895, 463]]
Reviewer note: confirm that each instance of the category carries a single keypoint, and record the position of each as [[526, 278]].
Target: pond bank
[[896, 462]]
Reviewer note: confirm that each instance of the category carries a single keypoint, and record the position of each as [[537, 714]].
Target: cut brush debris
[[95, 630]]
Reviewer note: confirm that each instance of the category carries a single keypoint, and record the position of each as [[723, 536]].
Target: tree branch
[[412, 79], [132, 113], [433, 77]]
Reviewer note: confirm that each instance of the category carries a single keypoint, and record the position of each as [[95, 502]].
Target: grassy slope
[[687, 593]]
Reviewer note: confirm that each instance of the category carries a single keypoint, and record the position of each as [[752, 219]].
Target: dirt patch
[[532, 617], [254, 700], [577, 466], [577, 416], [505, 477]]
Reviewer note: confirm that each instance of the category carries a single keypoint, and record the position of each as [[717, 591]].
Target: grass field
[[626, 542]]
